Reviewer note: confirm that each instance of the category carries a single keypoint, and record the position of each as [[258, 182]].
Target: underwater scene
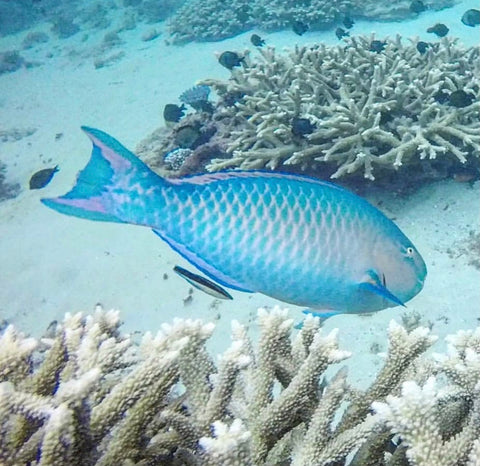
[[240, 233]]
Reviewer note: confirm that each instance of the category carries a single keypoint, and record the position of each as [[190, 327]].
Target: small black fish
[[202, 283], [173, 113], [299, 28], [41, 178], [243, 14], [377, 45], [339, 32], [460, 99], [417, 6], [422, 47], [393, 443], [385, 117], [256, 40], [187, 137], [441, 96], [439, 29], [471, 18], [302, 126], [230, 59], [348, 22]]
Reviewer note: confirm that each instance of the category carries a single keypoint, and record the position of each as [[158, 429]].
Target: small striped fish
[[297, 239]]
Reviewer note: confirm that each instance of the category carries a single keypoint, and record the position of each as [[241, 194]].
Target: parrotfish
[[297, 239]]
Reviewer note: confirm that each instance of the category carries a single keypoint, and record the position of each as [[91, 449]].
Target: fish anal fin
[[204, 267]]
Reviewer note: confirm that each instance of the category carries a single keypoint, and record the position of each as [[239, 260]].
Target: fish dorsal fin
[[206, 178], [373, 283], [203, 266]]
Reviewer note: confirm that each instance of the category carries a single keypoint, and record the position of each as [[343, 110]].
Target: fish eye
[[410, 251]]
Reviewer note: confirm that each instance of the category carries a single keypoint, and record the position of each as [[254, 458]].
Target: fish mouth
[[420, 283]]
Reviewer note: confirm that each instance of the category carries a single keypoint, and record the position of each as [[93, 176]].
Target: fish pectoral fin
[[373, 283]]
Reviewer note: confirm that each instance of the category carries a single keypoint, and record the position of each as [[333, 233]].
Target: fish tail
[[105, 183]]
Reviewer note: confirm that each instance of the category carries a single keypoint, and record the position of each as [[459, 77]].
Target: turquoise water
[[52, 264]]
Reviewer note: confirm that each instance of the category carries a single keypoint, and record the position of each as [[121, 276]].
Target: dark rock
[[64, 27], [34, 38], [10, 61]]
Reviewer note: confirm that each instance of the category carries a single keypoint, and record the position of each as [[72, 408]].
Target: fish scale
[[248, 245], [297, 239]]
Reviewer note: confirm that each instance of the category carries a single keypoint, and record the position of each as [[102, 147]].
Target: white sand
[[51, 263]]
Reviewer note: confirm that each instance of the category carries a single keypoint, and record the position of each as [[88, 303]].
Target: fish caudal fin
[[101, 182]]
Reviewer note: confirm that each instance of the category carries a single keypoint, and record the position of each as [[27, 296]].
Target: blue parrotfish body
[[294, 238]]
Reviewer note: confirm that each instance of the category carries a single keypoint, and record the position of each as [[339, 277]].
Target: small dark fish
[[441, 96], [422, 47], [393, 443], [187, 136], [302, 126], [439, 29], [232, 97], [377, 45], [417, 6], [202, 283], [41, 178], [256, 40], [385, 117], [339, 32], [173, 113], [230, 59], [460, 99], [348, 22], [243, 14], [299, 28], [471, 18]]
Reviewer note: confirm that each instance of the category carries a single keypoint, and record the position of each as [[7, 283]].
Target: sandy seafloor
[[51, 264]]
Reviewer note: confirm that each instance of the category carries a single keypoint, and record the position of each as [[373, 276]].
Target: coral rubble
[[7, 190], [369, 113], [89, 395]]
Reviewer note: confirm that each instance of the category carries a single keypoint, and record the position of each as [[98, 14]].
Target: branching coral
[[439, 424], [91, 396], [371, 110], [215, 19]]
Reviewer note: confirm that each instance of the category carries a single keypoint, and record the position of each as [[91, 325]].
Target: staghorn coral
[[91, 396], [210, 20], [422, 416], [372, 111], [205, 20]]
